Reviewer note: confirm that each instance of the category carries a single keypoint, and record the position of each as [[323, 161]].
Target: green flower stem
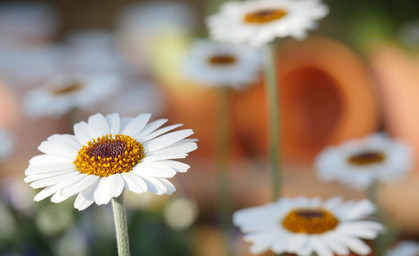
[[271, 84], [382, 242], [121, 225], [223, 175], [73, 117]]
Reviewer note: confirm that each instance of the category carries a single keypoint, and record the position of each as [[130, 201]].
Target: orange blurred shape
[[326, 96], [8, 107], [398, 76], [195, 107]]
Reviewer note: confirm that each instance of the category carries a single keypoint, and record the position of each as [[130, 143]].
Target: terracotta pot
[[326, 96], [398, 77]]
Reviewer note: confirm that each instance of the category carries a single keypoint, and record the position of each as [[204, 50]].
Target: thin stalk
[[385, 239], [121, 225], [223, 175], [271, 85], [73, 117]]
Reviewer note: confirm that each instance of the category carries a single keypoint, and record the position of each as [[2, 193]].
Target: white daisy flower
[[303, 226], [406, 248], [106, 155], [361, 162], [65, 92], [218, 64], [92, 50], [257, 22]]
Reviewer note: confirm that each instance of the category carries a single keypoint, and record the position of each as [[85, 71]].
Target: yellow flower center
[[310, 221], [264, 16], [366, 158], [222, 59], [69, 88], [108, 155]]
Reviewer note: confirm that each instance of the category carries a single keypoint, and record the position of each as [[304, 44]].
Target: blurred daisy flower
[[52, 220], [406, 248], [18, 195], [155, 34], [106, 155], [180, 213], [304, 226], [6, 145], [92, 50], [259, 22], [26, 66], [64, 92], [218, 64], [361, 162]]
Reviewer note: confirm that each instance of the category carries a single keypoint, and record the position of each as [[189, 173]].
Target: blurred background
[[357, 74]]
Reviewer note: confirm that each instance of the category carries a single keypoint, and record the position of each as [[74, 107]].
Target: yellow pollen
[[366, 158], [264, 16], [108, 155], [309, 221], [72, 87], [222, 59]]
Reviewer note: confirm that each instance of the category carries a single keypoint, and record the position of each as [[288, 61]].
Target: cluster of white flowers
[[305, 226], [108, 154]]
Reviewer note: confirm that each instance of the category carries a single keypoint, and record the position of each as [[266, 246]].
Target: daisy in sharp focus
[[257, 22], [361, 162], [64, 92], [106, 155], [405, 248], [304, 226], [219, 64]]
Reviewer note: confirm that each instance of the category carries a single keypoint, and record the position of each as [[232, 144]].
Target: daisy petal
[[85, 198], [355, 245], [87, 181], [177, 166], [53, 180], [154, 185], [101, 193], [98, 126], [151, 127], [58, 197], [134, 183], [170, 188], [166, 140], [114, 123], [82, 133], [136, 125], [158, 132], [46, 192], [117, 185], [155, 170], [45, 175]]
